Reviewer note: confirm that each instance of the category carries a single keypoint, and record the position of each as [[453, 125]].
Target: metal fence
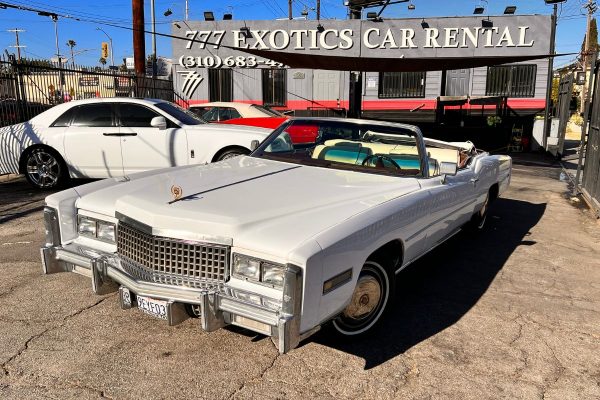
[[29, 87], [590, 185]]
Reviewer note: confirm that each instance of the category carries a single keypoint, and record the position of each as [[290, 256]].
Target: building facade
[[209, 67]]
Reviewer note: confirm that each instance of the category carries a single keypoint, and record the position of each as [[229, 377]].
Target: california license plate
[[156, 308]]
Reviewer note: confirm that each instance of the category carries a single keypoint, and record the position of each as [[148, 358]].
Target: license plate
[[156, 308]]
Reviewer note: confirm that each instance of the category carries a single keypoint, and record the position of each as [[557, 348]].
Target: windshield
[[372, 148], [181, 114], [268, 111]]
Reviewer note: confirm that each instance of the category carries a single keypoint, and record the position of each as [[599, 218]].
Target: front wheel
[[230, 154], [369, 301], [45, 169]]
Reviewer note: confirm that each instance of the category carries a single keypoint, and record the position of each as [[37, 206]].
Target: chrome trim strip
[[172, 233], [52, 226], [133, 223]]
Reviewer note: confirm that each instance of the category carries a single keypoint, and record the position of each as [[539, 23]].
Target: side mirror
[[448, 168], [254, 145], [159, 122]]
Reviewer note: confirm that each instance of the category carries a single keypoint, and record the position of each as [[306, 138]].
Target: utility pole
[[153, 20], [17, 45], [290, 9], [139, 47], [591, 9], [187, 10], [318, 10], [355, 85], [547, 122]]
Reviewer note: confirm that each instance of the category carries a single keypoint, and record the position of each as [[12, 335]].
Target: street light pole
[[112, 57], [55, 20]]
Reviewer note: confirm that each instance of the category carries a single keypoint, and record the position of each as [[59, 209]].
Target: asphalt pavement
[[513, 312]]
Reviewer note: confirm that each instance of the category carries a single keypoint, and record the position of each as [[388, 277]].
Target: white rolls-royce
[[114, 137], [293, 236]]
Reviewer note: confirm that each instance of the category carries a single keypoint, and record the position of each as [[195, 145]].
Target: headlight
[[91, 227], [86, 226], [246, 267], [106, 231], [258, 270], [272, 274]]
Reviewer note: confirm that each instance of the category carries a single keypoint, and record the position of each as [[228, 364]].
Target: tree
[[102, 61], [71, 43]]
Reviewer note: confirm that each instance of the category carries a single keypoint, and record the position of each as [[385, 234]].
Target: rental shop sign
[[215, 44]]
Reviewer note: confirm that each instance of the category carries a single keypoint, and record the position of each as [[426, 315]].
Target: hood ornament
[[177, 192]]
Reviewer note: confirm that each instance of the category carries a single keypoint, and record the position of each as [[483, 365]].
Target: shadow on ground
[[436, 291]]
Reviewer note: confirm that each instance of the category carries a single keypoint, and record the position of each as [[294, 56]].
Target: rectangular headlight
[[95, 228], [258, 270], [272, 274], [86, 226], [106, 231], [246, 267]]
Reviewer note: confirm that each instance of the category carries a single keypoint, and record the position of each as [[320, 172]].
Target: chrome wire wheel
[[368, 301], [43, 169]]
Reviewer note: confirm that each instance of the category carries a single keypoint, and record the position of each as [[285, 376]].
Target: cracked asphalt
[[511, 313]]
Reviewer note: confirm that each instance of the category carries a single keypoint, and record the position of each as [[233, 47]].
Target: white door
[[326, 85], [145, 147], [450, 205], [92, 142]]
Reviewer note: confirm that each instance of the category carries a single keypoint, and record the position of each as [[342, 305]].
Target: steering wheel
[[380, 158]]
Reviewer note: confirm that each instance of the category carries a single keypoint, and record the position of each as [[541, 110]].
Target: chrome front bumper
[[219, 306]]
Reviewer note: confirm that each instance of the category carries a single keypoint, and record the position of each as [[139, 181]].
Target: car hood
[[229, 128], [259, 204]]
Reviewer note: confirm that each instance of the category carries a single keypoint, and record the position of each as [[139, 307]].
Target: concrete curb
[[8, 177]]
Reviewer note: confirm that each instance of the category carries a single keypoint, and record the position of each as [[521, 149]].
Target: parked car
[[220, 111], [239, 114], [282, 241], [113, 137]]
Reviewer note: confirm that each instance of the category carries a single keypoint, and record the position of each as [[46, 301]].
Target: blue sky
[[40, 40]]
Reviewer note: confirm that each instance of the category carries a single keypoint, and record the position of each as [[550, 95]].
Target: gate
[[590, 185], [30, 87], [565, 90]]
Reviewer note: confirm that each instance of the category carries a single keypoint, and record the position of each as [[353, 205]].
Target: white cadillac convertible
[[111, 137], [282, 241]]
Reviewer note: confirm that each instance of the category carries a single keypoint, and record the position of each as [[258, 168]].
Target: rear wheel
[[369, 301], [478, 219], [45, 168]]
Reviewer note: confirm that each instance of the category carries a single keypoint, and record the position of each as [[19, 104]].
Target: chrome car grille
[[171, 261]]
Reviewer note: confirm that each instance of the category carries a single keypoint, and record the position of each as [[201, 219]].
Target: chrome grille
[[171, 261]]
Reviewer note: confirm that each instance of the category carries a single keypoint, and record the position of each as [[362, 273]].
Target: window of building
[[93, 115], [393, 85], [274, 87], [511, 80], [220, 84]]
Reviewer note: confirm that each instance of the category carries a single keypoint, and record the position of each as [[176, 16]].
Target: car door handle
[[119, 134]]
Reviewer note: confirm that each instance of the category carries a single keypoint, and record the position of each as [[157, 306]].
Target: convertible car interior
[[371, 147]]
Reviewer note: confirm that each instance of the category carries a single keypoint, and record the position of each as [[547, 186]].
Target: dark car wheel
[[45, 169], [373, 290]]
